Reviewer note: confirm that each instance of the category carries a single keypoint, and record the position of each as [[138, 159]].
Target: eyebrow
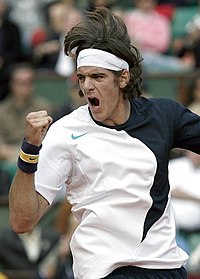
[[92, 74]]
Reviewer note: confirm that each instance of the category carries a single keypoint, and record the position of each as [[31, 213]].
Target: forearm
[[26, 205]]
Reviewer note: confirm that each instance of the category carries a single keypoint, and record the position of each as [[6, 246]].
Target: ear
[[124, 79]]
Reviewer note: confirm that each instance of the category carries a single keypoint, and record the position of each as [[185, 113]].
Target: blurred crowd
[[31, 43], [33, 31]]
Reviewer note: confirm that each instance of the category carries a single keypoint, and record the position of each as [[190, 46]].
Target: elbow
[[20, 227]]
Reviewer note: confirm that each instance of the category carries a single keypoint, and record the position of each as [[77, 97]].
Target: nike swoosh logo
[[32, 159], [78, 136]]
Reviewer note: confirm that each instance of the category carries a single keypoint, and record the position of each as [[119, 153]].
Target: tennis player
[[113, 155]]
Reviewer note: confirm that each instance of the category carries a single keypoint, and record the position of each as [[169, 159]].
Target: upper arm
[[43, 205]]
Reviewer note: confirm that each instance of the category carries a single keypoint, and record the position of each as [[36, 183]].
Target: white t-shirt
[[116, 179]]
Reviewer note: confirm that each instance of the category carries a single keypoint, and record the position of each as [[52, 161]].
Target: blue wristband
[[28, 158]]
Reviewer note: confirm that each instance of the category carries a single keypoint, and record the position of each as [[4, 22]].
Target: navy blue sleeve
[[187, 130]]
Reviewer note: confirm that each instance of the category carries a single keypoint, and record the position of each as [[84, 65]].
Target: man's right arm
[[26, 206]]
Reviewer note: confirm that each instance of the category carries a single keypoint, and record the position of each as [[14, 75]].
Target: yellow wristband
[[29, 158]]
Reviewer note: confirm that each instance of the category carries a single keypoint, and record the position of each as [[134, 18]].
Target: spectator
[[184, 177], [10, 47], [185, 171], [48, 54], [13, 110], [145, 24], [34, 252], [194, 104], [28, 15], [65, 66], [188, 47], [92, 4], [45, 41], [145, 18]]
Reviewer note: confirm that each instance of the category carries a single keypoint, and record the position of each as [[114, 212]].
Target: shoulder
[[160, 108], [159, 103], [59, 135], [5, 104], [81, 114], [166, 104], [76, 118]]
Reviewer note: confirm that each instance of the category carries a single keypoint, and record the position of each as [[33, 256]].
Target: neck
[[122, 115], [127, 111]]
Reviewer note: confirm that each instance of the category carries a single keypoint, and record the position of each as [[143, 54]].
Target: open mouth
[[93, 101]]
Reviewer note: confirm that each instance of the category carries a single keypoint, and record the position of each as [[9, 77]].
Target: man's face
[[145, 5], [22, 83], [102, 90]]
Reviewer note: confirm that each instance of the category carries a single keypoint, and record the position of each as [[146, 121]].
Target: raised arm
[[25, 204]]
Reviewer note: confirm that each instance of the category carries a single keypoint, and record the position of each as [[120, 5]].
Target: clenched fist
[[37, 124]]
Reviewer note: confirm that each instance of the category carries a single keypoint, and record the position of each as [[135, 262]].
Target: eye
[[81, 78], [98, 77]]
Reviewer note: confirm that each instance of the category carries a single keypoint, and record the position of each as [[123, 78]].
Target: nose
[[88, 85]]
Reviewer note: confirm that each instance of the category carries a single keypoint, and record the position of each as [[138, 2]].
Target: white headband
[[100, 58]]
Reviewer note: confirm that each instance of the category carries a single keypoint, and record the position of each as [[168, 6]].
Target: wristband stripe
[[29, 158]]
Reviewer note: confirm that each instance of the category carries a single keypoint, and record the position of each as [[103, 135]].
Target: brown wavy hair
[[103, 29]]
